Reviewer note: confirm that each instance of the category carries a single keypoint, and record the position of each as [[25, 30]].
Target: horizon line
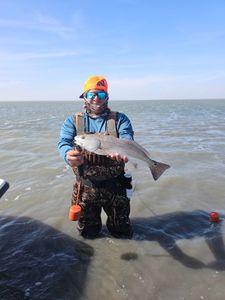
[[81, 100]]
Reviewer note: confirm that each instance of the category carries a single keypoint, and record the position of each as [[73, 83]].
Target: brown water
[[176, 252]]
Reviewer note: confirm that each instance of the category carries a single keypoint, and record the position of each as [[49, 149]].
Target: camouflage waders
[[101, 186]]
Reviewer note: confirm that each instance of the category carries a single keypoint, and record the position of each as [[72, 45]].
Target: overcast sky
[[147, 49]]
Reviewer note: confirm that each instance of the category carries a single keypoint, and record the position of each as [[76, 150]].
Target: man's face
[[97, 100]]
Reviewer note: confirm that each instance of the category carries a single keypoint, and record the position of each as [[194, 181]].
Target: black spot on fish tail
[[157, 169], [129, 256]]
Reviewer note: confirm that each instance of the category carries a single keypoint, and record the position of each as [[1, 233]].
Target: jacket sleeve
[[66, 137], [124, 127]]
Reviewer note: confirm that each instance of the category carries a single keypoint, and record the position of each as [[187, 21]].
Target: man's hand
[[116, 156], [75, 158]]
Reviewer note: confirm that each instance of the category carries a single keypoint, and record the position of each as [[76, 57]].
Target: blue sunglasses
[[91, 95]]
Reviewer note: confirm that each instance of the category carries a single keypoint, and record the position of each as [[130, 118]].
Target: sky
[[147, 49]]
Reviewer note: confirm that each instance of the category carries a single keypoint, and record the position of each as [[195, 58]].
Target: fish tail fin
[[157, 169]]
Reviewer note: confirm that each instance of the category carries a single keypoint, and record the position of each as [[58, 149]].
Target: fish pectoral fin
[[93, 145], [158, 168]]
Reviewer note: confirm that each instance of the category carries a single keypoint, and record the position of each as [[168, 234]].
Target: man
[[100, 181]]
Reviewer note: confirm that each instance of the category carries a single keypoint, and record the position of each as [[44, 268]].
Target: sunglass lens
[[102, 95], [90, 95]]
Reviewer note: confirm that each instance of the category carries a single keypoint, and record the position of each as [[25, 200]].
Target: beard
[[96, 109]]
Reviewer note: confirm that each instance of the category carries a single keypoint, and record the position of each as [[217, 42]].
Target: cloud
[[10, 83], [168, 87], [140, 82], [36, 55], [138, 88], [40, 22], [15, 90], [50, 24]]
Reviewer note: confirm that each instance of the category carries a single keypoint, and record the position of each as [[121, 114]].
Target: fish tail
[[157, 169]]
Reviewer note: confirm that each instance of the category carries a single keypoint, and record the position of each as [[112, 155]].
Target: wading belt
[[95, 183], [102, 183]]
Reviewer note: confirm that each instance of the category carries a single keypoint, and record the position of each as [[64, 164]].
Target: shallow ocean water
[[175, 253]]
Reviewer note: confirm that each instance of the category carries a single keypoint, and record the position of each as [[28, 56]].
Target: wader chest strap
[[79, 122], [111, 124]]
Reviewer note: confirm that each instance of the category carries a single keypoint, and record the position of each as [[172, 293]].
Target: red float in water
[[214, 217]]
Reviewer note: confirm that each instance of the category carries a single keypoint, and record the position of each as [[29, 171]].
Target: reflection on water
[[169, 228], [40, 262]]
